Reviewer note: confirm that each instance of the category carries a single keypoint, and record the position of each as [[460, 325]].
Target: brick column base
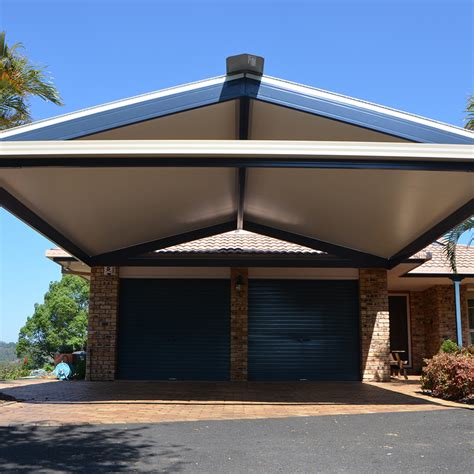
[[374, 325], [238, 325], [102, 327]]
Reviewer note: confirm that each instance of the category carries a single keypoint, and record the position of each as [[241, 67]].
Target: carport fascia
[[241, 155]]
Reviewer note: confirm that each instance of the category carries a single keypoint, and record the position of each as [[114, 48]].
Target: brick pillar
[[238, 325], [374, 324], [102, 328]]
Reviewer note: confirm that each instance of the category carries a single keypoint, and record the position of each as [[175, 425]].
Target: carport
[[367, 185]]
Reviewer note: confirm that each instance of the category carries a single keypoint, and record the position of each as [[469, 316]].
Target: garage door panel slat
[[303, 329], [174, 329]]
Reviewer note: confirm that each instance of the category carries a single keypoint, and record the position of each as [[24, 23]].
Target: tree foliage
[[20, 80], [470, 113], [453, 236], [57, 325], [7, 351]]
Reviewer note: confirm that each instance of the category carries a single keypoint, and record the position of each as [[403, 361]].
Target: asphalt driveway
[[429, 441]]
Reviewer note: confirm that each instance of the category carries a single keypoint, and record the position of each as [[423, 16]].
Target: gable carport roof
[[97, 185]]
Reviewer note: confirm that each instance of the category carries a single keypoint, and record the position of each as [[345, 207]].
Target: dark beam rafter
[[15, 207], [328, 162], [244, 118], [241, 185], [121, 256], [244, 132], [437, 231], [358, 258]]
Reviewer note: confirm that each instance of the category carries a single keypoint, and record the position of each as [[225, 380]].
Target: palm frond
[[451, 240], [20, 80], [470, 113]]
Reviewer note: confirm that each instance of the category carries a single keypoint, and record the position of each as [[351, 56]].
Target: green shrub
[[48, 367], [449, 347], [13, 370], [449, 375]]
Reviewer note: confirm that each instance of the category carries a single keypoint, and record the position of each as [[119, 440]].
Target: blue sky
[[414, 55]]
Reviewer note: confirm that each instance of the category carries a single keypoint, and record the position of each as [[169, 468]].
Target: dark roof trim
[[353, 114], [267, 90], [226, 261], [235, 162], [359, 259], [437, 231], [15, 207], [134, 113], [437, 275]]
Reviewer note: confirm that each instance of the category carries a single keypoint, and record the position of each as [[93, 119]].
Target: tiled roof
[[240, 241], [56, 253], [438, 263], [244, 242]]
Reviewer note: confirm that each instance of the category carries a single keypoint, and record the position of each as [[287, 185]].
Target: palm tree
[[470, 113], [453, 236], [452, 239], [20, 80]]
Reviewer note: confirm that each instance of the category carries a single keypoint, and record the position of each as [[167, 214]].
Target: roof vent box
[[243, 63]]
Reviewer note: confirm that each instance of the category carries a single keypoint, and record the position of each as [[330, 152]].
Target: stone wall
[[239, 326], [374, 325], [102, 327]]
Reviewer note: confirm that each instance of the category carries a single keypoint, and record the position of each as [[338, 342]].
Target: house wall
[[104, 307], [433, 320]]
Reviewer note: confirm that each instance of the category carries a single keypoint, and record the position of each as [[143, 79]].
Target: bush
[[449, 347], [48, 367], [13, 370], [449, 375]]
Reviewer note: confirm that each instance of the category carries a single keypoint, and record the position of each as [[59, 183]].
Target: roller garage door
[[303, 330], [174, 329]]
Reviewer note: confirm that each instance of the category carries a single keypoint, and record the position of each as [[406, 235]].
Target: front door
[[399, 325]]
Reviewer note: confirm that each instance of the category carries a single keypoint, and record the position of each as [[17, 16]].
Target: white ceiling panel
[[374, 211], [101, 210]]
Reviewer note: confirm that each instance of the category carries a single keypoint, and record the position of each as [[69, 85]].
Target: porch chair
[[397, 365]]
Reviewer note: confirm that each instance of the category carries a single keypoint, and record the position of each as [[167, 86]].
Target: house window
[[400, 325], [470, 312]]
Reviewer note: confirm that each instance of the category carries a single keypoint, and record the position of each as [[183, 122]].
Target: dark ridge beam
[[121, 255], [244, 118], [15, 207], [327, 162], [242, 179], [360, 259], [437, 231]]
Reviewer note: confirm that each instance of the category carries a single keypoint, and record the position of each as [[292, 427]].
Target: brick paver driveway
[[49, 402]]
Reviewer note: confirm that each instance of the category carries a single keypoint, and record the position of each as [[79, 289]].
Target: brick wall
[[238, 326], [418, 329], [374, 324], [102, 327], [433, 320]]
